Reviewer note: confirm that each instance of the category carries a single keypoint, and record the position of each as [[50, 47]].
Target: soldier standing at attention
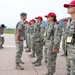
[[19, 38], [32, 43], [64, 35], [28, 37], [59, 36], [70, 38], [26, 23], [39, 30], [51, 43]]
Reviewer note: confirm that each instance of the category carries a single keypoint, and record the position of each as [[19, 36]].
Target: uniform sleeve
[[42, 33], [34, 32], [19, 27], [56, 37]]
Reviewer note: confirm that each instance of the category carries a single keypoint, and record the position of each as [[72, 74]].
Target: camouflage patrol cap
[[3, 26], [23, 14]]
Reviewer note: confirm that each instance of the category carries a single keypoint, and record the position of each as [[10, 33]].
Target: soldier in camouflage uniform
[[70, 40], [51, 43], [1, 35], [32, 43], [28, 37], [39, 30], [64, 35], [26, 24], [19, 38], [59, 36]]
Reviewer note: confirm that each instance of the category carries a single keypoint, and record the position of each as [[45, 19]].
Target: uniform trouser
[[19, 48], [1, 41], [58, 47], [63, 44], [45, 54], [38, 50], [32, 44], [71, 60], [51, 60], [28, 41]]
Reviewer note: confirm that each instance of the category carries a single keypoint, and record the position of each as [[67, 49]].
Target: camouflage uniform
[[70, 48], [38, 38], [28, 38], [50, 43], [1, 37], [59, 36], [26, 35], [32, 42], [20, 26]]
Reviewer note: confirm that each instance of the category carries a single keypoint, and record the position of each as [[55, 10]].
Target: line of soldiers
[[34, 33]]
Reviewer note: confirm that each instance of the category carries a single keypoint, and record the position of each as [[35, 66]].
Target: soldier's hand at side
[[54, 50], [18, 42]]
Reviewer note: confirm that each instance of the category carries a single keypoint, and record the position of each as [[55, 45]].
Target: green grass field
[[9, 31]]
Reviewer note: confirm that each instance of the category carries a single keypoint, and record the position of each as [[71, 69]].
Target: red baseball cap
[[32, 20], [39, 17], [29, 23], [25, 21], [70, 4], [51, 14], [65, 20], [57, 22]]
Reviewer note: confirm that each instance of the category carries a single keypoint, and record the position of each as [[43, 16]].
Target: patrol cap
[[51, 14], [39, 17], [72, 3], [3, 26], [65, 20], [33, 20], [23, 14]]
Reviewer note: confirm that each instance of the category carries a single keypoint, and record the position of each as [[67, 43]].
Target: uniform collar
[[22, 21], [71, 22], [51, 23]]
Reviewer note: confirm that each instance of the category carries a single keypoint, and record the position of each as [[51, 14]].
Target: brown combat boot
[[18, 67], [21, 62]]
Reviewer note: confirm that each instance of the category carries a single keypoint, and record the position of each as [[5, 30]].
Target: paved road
[[7, 61]]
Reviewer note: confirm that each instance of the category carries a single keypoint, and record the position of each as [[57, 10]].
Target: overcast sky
[[11, 9]]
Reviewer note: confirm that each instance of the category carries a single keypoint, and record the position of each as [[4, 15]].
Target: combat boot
[[45, 61], [32, 55], [18, 67], [21, 62], [26, 47], [35, 62], [38, 63], [63, 55], [51, 74], [28, 50], [46, 74]]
